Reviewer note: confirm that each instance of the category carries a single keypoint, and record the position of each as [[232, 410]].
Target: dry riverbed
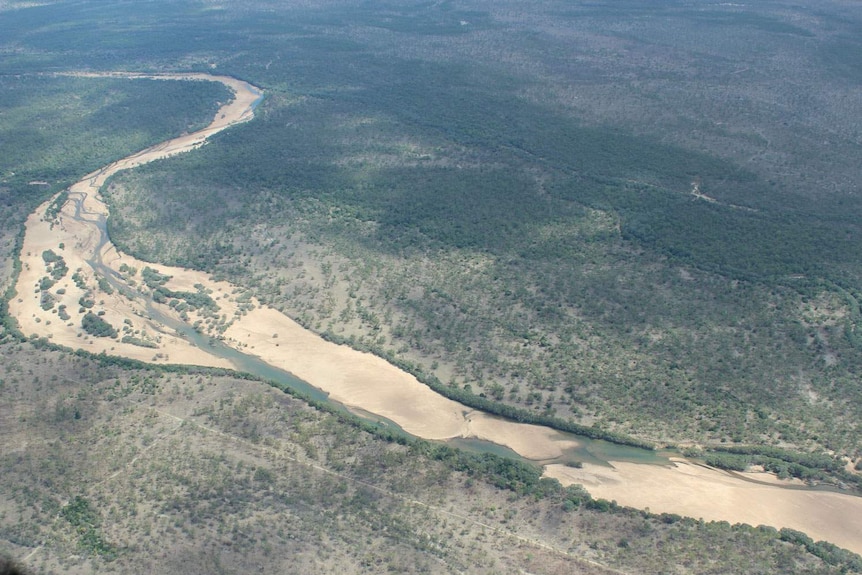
[[114, 287], [686, 488]]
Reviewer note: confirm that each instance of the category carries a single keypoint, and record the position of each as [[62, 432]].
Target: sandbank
[[693, 490], [78, 238], [370, 383]]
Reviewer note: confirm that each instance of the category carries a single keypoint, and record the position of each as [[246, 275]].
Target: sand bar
[[697, 491]]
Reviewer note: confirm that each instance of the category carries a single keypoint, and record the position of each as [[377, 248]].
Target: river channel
[[267, 344]]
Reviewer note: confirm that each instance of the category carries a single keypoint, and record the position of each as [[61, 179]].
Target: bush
[[94, 325]]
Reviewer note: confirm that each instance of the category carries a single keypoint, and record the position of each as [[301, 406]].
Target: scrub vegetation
[[118, 468], [508, 230], [638, 219]]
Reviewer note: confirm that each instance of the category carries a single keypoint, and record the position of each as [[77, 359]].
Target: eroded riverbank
[[145, 302]]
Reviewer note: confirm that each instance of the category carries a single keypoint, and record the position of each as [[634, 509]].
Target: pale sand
[[700, 492], [365, 381], [75, 228], [79, 239], [368, 382]]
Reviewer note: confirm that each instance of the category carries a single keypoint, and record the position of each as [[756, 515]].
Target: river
[[253, 338]]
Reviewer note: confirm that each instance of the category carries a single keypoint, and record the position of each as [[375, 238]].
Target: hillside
[[109, 468]]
